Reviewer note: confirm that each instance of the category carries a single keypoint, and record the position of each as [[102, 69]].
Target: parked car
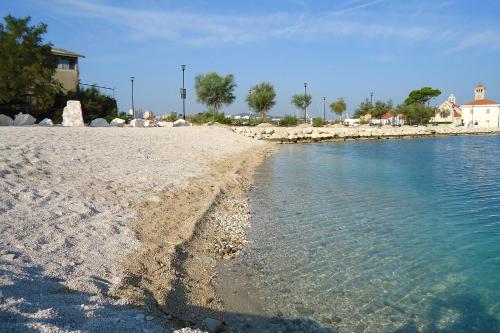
[[352, 122]]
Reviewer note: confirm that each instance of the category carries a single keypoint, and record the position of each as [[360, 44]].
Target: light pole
[[324, 108], [305, 108], [371, 98], [183, 94], [133, 108]]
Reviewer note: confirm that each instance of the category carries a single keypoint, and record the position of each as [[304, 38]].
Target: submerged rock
[[212, 325]]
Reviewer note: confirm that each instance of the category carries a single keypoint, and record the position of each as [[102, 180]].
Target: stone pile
[[339, 132]]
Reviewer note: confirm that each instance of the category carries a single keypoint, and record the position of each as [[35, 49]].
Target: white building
[[448, 112], [481, 112]]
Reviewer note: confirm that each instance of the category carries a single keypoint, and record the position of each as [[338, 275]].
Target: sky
[[341, 48]]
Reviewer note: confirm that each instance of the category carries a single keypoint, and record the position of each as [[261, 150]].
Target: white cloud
[[487, 39]]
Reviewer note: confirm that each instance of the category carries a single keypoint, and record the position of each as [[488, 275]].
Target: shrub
[[207, 117], [318, 122], [289, 121]]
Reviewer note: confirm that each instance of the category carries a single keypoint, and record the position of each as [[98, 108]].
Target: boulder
[[6, 120], [117, 122], [212, 325], [46, 122], [165, 124], [23, 119], [181, 122], [99, 122], [149, 123], [137, 123], [72, 114]]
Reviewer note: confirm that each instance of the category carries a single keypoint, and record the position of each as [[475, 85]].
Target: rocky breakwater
[[339, 132]]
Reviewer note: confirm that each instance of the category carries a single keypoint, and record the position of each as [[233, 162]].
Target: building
[[389, 119], [448, 112], [481, 112], [67, 70]]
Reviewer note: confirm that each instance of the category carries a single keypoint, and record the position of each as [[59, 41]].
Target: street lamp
[[305, 108], [133, 108], [183, 94], [324, 108]]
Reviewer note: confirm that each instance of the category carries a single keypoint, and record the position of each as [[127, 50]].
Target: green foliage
[[302, 102], [422, 95], [416, 113], [318, 122], [170, 118], [215, 91], [338, 107], [380, 108], [289, 121], [445, 113], [364, 108], [261, 98], [27, 65], [94, 105], [208, 117]]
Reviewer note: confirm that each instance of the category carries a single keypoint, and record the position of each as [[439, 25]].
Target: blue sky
[[345, 48]]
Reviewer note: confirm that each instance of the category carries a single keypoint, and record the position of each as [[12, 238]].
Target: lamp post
[[371, 98], [305, 108], [324, 108], [133, 108], [183, 93]]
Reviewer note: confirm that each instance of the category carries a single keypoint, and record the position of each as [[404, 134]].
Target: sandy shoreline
[[69, 197]]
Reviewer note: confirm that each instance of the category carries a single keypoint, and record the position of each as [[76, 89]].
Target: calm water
[[379, 236]]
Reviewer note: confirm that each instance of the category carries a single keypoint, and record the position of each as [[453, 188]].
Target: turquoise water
[[375, 236]]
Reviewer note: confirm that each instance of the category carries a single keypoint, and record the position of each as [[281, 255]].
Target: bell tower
[[480, 92], [452, 99]]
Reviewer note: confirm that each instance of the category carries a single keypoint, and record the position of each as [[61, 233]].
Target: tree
[[380, 108], [301, 102], [215, 91], [261, 98], [422, 96], [444, 113], [416, 113], [364, 108], [27, 65], [338, 107]]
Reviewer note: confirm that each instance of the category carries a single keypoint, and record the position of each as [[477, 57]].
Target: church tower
[[452, 99], [480, 92]]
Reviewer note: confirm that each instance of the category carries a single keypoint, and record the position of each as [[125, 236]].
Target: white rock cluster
[[312, 134]]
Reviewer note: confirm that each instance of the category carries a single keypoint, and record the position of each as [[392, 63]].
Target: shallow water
[[375, 236]]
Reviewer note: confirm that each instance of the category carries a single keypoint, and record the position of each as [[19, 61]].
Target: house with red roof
[[448, 112], [481, 112]]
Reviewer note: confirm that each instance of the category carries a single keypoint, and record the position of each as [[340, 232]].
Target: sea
[[372, 236]]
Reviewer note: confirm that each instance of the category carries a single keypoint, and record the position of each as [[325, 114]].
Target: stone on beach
[[137, 123], [23, 119], [46, 122], [181, 122], [212, 325], [6, 120], [165, 124], [99, 122], [72, 114], [117, 122]]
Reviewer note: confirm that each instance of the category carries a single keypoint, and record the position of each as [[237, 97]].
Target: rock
[[139, 317], [165, 124], [23, 119], [72, 114], [117, 122], [181, 122], [212, 325], [6, 120], [149, 123], [137, 123], [46, 122], [9, 256], [265, 125], [149, 318], [99, 122]]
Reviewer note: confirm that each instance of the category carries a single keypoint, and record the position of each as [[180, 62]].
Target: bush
[[289, 121], [170, 118], [318, 122], [207, 117]]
